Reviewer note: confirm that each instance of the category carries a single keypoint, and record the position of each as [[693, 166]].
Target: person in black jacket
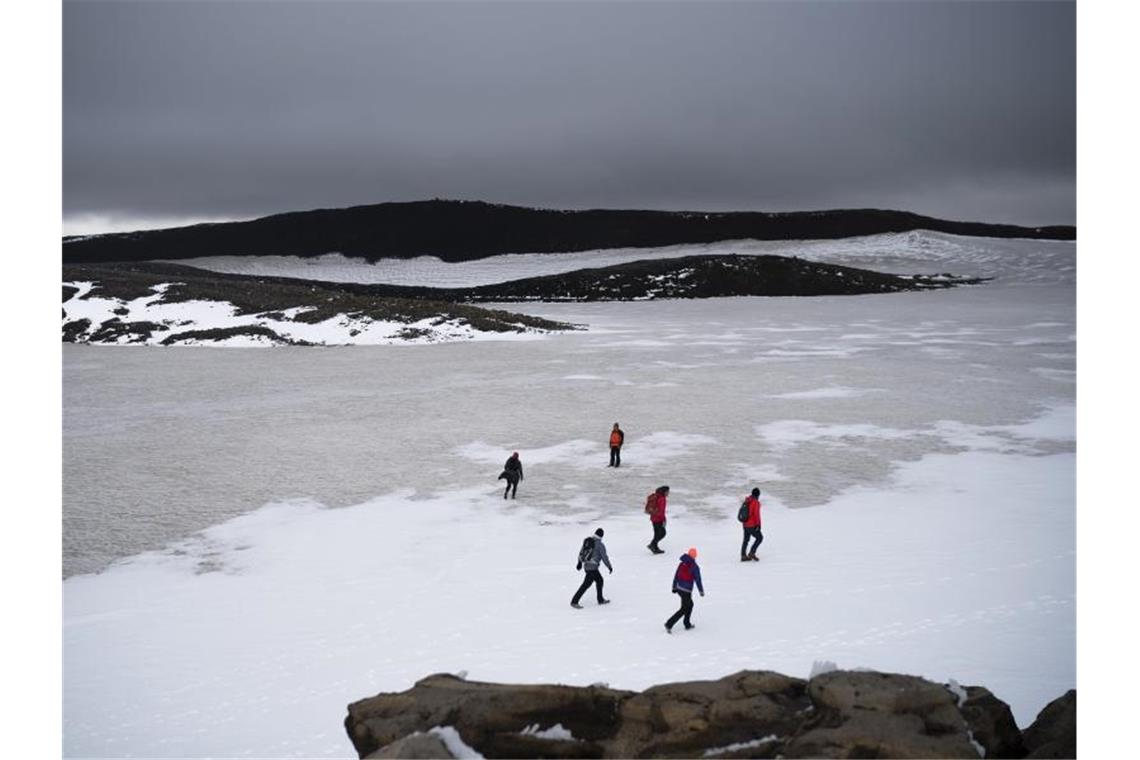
[[512, 473]]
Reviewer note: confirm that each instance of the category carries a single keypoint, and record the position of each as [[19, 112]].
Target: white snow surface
[[252, 637], [337, 531]]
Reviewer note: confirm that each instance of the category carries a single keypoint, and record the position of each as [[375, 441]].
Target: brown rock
[[416, 746], [1054, 733], [991, 722]]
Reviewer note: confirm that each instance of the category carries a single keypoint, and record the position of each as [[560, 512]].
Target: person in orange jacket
[[617, 438]]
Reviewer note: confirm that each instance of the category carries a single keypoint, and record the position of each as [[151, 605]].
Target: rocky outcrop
[[1054, 733], [840, 714]]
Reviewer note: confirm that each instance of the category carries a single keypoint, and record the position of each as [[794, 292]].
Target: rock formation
[[749, 714]]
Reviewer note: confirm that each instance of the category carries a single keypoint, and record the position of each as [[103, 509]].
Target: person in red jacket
[[655, 508], [752, 528]]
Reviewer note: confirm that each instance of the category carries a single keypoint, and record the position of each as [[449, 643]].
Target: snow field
[[268, 625]]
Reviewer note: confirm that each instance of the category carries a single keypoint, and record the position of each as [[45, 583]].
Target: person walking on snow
[[512, 472], [617, 438], [591, 556], [751, 527], [655, 508], [688, 573]]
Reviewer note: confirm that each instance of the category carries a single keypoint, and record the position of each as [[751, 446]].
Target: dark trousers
[[755, 534], [615, 456], [658, 534], [685, 611], [592, 576], [512, 487]]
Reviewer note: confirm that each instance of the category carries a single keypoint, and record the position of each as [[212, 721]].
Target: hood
[[685, 558]]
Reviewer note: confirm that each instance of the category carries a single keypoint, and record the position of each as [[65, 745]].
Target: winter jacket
[[598, 557], [687, 572], [617, 438], [657, 513], [512, 470], [753, 520]]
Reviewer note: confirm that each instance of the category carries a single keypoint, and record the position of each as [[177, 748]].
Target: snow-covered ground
[[185, 316], [919, 251], [280, 533]]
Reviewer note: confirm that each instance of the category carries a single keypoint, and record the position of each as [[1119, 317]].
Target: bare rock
[[991, 724], [417, 746], [1054, 733], [867, 714]]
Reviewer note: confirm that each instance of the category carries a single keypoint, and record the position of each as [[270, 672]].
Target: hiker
[[512, 472], [687, 573], [655, 508], [617, 438], [751, 526], [591, 556]]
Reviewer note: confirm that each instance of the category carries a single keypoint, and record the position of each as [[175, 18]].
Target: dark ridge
[[466, 230]]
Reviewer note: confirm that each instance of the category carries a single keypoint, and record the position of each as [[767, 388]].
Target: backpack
[[651, 503], [742, 513], [586, 553]]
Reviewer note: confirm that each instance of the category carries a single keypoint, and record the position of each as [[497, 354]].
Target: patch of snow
[[455, 744], [740, 745], [555, 732]]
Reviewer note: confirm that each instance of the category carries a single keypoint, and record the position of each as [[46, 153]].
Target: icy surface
[[279, 533], [916, 252]]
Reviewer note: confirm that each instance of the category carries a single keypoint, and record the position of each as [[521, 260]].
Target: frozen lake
[[959, 402]]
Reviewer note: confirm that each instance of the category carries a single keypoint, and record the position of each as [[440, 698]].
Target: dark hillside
[[462, 231]]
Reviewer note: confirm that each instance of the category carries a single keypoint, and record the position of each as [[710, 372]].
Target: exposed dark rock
[[72, 331], [992, 725], [842, 714], [224, 333], [113, 329], [462, 231], [1054, 733], [69, 291]]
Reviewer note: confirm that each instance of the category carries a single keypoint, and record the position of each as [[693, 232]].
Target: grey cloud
[[963, 110]]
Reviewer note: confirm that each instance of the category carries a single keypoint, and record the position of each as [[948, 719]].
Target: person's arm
[[697, 578], [606, 557]]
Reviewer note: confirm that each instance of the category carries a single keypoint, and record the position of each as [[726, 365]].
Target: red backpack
[[651, 503]]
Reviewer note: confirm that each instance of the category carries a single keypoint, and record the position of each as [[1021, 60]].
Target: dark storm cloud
[[233, 110]]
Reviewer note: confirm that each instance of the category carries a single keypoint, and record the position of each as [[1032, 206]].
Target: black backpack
[[742, 513], [587, 550]]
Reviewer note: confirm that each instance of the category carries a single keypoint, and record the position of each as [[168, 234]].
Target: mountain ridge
[[467, 230]]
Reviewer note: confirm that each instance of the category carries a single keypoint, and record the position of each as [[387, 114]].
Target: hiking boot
[[603, 601], [658, 551], [668, 629], [745, 558], [575, 605], [690, 626], [753, 557]]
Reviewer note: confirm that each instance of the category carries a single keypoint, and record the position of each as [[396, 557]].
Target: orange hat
[[693, 552]]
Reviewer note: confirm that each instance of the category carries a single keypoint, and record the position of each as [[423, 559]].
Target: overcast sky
[[178, 112]]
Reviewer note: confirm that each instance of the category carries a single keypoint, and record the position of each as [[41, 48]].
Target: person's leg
[[687, 608], [617, 456], [599, 581], [677, 615], [658, 534], [744, 544], [612, 450], [507, 490], [758, 536], [514, 487], [582, 589]]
